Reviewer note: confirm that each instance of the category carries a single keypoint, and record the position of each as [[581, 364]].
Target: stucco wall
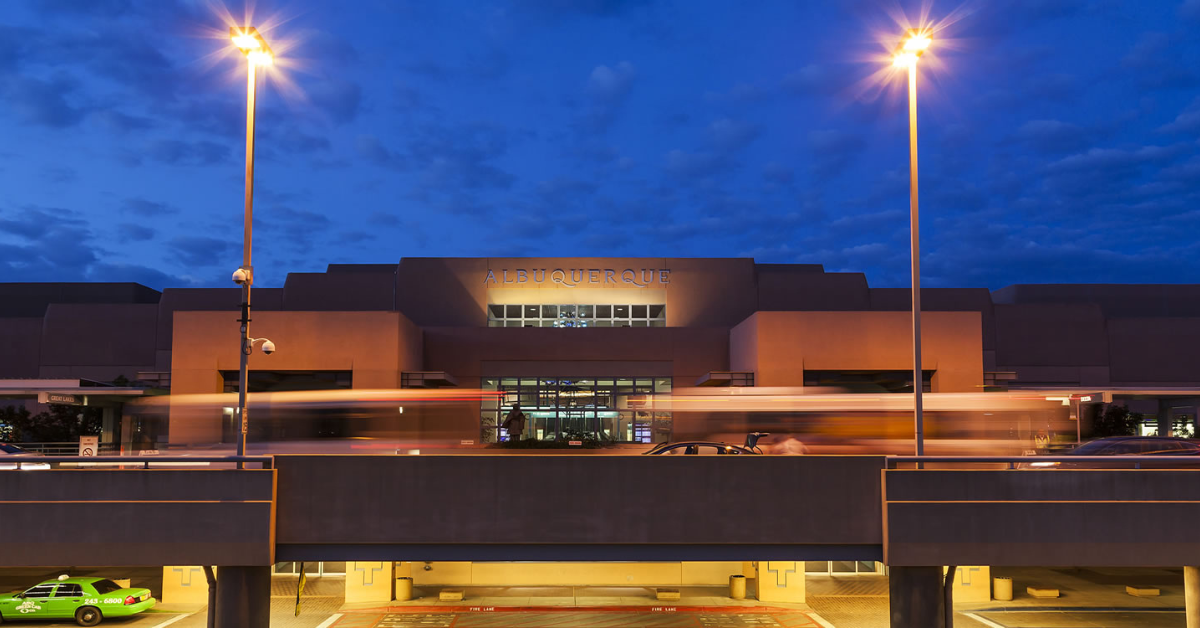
[[375, 346], [455, 291], [98, 340], [684, 353], [787, 343], [20, 346]]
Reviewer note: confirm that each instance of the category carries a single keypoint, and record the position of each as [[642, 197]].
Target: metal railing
[[1046, 462], [68, 448], [266, 462]]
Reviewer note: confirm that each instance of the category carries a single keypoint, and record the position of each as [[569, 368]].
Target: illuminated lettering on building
[[573, 277]]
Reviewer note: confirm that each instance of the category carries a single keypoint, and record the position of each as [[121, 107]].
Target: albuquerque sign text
[[572, 277]]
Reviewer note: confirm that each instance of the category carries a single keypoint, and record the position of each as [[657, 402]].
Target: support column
[[916, 597], [781, 581], [370, 582], [183, 584], [1191, 596], [243, 597], [973, 584]]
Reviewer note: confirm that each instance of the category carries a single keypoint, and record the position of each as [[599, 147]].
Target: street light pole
[[257, 53], [915, 43], [918, 375], [247, 236]]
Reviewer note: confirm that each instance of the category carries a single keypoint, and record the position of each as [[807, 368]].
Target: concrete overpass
[[600, 508]]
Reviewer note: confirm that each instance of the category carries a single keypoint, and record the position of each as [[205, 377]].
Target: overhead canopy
[[79, 392]]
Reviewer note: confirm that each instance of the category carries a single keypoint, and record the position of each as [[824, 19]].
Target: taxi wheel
[[88, 616]]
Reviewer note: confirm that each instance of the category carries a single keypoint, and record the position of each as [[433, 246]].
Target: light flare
[[918, 42], [260, 57], [246, 42], [904, 60]]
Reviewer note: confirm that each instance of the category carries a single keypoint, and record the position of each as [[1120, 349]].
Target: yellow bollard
[[1002, 589], [404, 590], [737, 587]]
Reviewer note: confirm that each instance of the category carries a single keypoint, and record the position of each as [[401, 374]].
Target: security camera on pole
[[257, 53]]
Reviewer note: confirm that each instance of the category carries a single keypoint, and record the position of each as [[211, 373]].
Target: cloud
[[460, 157], [1056, 87], [1190, 9], [138, 233], [106, 8], [686, 164], [122, 122], [813, 79], [60, 174], [43, 102], [1156, 65], [1053, 136], [52, 242], [724, 138], [611, 84], [150, 209], [290, 140], [741, 93], [589, 8], [200, 251], [833, 151], [339, 98], [150, 277], [354, 237], [493, 63], [1188, 121], [294, 229], [777, 173], [731, 135], [370, 148], [607, 88], [185, 153]]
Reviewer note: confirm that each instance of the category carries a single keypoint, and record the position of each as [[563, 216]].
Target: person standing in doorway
[[514, 422]]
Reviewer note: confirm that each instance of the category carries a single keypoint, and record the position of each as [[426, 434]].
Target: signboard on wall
[[576, 277], [61, 399], [89, 445]]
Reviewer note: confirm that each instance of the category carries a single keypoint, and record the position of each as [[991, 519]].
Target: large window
[[577, 315], [281, 381], [571, 408]]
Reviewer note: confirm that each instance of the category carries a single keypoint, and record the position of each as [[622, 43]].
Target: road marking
[[986, 622], [821, 621], [175, 619], [329, 622]]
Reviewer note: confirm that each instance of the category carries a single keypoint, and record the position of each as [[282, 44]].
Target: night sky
[[1060, 139]]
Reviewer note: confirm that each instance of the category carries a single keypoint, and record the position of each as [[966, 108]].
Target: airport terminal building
[[582, 343], [576, 340]]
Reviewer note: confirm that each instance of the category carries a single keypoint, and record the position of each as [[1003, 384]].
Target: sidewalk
[[1087, 588], [575, 597]]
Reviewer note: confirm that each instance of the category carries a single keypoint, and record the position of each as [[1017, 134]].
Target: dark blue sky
[[1060, 139]]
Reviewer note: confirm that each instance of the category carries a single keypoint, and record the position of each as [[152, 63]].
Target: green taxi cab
[[87, 600]]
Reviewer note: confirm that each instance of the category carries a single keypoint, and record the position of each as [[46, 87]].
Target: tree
[[1116, 421], [61, 424], [10, 418]]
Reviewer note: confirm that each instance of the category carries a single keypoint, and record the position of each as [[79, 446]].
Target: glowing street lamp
[[258, 53], [915, 42]]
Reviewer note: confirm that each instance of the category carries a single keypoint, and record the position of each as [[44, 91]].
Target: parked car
[[1128, 446], [699, 448], [14, 458], [87, 600]]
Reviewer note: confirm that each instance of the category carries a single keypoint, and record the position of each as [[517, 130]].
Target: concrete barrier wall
[[579, 500], [1045, 518], [137, 517]]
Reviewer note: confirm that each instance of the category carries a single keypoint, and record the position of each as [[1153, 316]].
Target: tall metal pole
[[918, 377], [246, 346]]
